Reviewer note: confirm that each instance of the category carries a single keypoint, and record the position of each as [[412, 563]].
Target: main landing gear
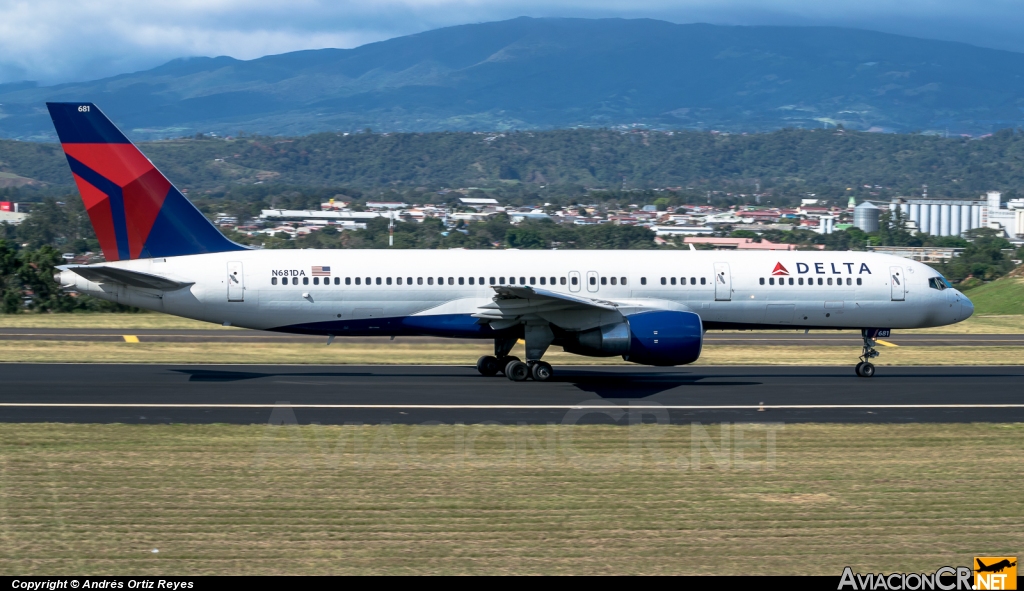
[[538, 338], [865, 368]]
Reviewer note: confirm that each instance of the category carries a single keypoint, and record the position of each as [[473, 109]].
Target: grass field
[[398, 353], [219, 499], [1005, 296]]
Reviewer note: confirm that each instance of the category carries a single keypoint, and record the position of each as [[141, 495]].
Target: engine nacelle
[[664, 338], [648, 338]]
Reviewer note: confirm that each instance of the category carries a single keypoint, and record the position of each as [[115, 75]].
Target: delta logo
[[779, 270]]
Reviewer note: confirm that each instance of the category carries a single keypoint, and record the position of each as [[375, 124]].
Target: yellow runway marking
[[886, 343], [130, 338]]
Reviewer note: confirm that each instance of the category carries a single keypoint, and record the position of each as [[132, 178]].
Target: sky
[[54, 41]]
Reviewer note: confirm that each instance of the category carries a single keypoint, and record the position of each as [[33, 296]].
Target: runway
[[89, 393], [794, 338]]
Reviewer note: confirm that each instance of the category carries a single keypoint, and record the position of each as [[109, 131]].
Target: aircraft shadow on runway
[[212, 375], [607, 385]]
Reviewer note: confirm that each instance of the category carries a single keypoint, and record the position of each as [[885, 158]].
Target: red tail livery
[[135, 211]]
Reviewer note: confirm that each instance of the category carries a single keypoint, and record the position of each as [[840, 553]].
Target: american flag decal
[[321, 271]]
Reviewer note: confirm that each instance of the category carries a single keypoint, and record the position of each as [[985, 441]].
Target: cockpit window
[[938, 283]]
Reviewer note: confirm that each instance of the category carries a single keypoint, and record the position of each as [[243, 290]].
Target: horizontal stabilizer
[[103, 274]]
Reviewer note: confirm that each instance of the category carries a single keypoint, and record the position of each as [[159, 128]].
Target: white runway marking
[[514, 406]]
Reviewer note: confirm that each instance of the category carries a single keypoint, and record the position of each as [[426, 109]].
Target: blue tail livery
[[136, 212]]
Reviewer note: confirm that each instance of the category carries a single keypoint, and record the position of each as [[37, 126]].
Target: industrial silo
[[865, 217]]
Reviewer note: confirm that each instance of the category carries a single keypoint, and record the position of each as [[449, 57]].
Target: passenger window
[[440, 280], [462, 281], [820, 281], [561, 281], [575, 280], [703, 281], [849, 281], [430, 280], [337, 280], [451, 281], [552, 281], [501, 281], [800, 281], [533, 281], [378, 281], [663, 281], [369, 280], [673, 281], [419, 281], [830, 281], [471, 280], [543, 280], [604, 281], [643, 281], [771, 281], [408, 280], [273, 280], [316, 281], [593, 280], [858, 281], [522, 281], [613, 280], [492, 281], [791, 281], [348, 281], [481, 281], [762, 281], [295, 280], [623, 280], [357, 281], [305, 280], [693, 281]]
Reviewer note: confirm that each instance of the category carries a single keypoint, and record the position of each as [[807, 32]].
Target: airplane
[[996, 567], [648, 307]]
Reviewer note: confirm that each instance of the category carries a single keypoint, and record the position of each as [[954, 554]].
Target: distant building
[[924, 254], [743, 244]]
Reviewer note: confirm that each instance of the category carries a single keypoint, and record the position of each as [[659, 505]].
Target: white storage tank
[[865, 217]]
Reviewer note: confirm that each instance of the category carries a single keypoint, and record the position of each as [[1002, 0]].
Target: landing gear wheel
[[857, 369], [504, 361], [517, 371], [541, 371], [488, 365], [866, 370]]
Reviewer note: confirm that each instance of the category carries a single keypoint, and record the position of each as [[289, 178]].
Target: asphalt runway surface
[[254, 394], [795, 338]]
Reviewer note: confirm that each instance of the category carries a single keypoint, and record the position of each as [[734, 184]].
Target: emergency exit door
[[897, 284], [236, 282], [723, 282]]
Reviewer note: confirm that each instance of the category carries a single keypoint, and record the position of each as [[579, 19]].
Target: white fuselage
[[441, 290]]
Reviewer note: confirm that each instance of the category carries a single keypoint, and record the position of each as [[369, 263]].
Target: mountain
[[550, 73]]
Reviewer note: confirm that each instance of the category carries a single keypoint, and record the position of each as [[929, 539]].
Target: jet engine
[[649, 338]]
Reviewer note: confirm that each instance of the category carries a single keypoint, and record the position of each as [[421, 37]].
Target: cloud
[[58, 41]]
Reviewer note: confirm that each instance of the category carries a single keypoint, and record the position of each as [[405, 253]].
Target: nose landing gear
[[865, 368]]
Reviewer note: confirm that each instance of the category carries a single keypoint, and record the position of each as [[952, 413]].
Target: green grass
[[224, 499], [1003, 296]]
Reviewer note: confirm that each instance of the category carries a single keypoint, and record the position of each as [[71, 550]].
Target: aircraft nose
[[966, 307]]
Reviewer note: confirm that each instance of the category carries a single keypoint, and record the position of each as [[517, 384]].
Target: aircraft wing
[[511, 304], [104, 274]]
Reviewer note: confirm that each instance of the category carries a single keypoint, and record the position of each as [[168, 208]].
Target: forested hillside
[[833, 163]]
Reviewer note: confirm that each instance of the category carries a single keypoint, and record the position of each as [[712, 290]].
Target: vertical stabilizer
[[136, 212]]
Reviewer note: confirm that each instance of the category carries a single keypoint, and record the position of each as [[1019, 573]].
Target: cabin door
[[592, 285], [897, 284], [723, 282], [236, 282], [574, 281]]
